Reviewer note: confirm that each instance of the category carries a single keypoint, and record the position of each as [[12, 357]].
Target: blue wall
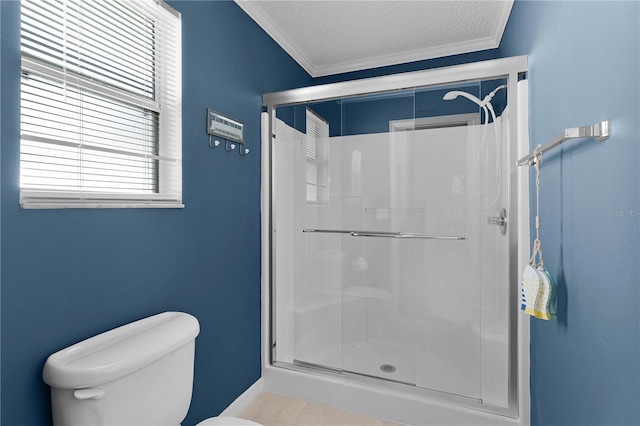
[[69, 274], [584, 67]]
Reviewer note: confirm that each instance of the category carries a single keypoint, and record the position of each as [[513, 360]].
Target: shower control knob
[[496, 220], [500, 221]]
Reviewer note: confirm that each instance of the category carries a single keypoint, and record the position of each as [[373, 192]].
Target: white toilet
[[134, 375]]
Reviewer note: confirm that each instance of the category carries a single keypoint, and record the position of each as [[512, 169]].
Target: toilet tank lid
[[121, 351]]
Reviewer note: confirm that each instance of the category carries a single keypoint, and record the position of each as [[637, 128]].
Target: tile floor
[[270, 409]]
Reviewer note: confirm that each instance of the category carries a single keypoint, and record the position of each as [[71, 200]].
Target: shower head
[[449, 96]]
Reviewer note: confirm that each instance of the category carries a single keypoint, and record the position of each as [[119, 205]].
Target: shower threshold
[[384, 383]]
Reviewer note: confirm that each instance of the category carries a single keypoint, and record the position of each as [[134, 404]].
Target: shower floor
[[377, 358]]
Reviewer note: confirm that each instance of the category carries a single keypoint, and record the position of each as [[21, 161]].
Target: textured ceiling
[[334, 36]]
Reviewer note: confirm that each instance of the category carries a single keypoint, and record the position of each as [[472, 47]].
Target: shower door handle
[[405, 235], [381, 234]]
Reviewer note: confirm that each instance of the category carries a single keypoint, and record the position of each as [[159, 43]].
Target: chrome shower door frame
[[509, 68]]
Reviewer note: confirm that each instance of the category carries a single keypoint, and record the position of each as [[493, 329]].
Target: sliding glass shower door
[[389, 262]]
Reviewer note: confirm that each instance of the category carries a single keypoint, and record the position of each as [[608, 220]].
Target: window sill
[[59, 200], [58, 205]]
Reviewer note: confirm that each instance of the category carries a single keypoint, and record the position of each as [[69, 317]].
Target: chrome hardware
[[599, 131], [386, 234], [500, 221]]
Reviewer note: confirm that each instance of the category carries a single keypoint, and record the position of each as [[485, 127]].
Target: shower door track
[[437, 395], [385, 234]]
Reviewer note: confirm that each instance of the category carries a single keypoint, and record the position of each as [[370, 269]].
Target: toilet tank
[[137, 374]]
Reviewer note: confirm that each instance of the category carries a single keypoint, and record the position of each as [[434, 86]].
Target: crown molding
[[253, 9]]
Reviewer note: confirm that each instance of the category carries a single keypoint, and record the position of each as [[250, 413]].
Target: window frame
[[167, 104]]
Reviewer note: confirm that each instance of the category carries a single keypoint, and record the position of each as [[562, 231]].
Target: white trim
[[256, 13], [169, 9], [501, 23], [409, 56], [523, 220], [264, 21], [265, 214], [243, 401], [69, 205]]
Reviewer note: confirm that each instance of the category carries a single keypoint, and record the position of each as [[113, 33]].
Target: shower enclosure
[[392, 235]]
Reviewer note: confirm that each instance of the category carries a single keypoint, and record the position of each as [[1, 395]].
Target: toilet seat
[[227, 421]]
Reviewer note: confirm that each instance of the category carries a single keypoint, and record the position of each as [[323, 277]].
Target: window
[[101, 113], [317, 159]]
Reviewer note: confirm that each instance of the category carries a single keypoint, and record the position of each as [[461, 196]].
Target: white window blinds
[[317, 158], [101, 104]]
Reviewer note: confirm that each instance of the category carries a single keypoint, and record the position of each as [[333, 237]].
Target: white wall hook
[[215, 143], [228, 146]]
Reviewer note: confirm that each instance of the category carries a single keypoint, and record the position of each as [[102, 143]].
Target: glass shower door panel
[[318, 260], [448, 295], [318, 302], [284, 239], [378, 272]]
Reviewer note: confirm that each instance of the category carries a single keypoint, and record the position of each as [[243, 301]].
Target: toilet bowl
[[137, 374]]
